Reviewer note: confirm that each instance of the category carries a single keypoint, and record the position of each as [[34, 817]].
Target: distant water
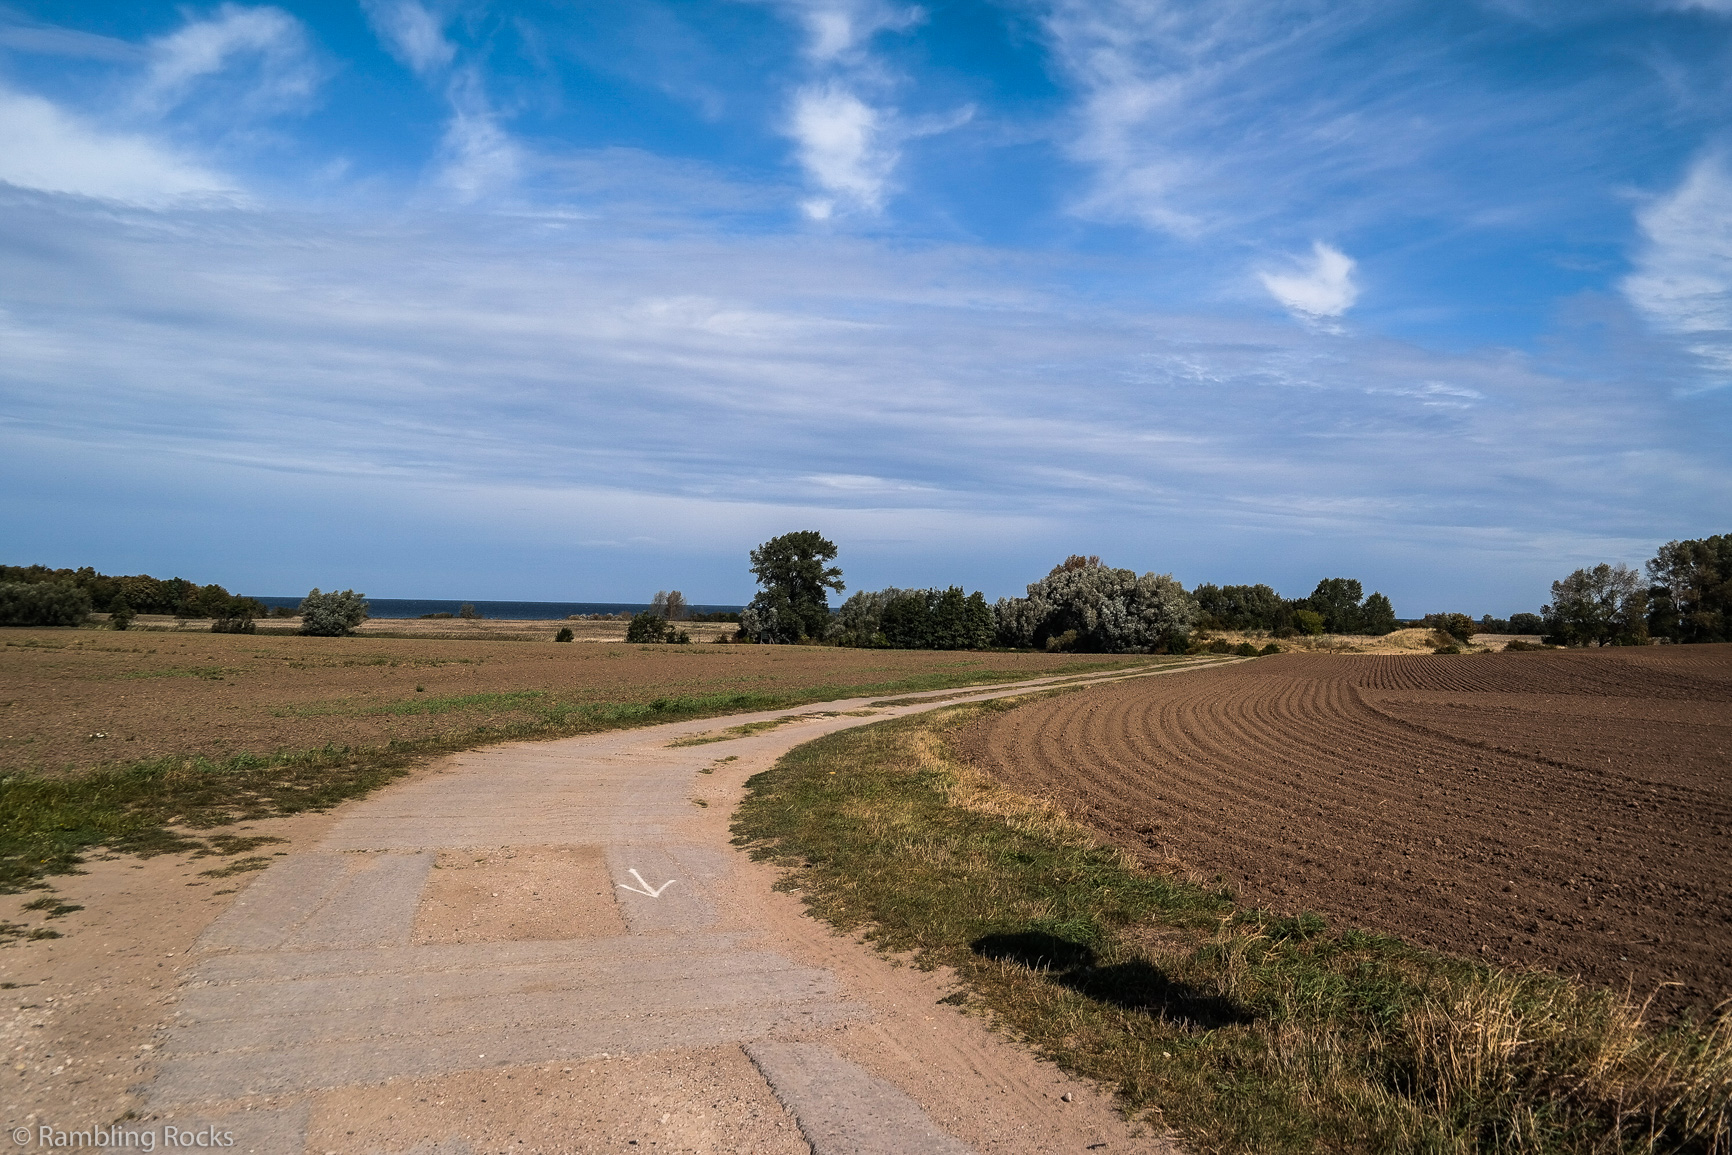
[[507, 611]]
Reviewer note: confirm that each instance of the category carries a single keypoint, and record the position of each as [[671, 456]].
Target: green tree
[[1255, 607], [1308, 622], [793, 603], [1337, 601], [1377, 616], [43, 603], [1093, 607], [332, 615], [1690, 598], [1603, 606]]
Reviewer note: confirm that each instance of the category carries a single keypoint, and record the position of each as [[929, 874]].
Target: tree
[[1690, 596], [467, 612], [1603, 606], [1526, 624], [1308, 622], [934, 620], [1336, 600], [120, 614], [47, 603], [670, 605], [792, 603], [1096, 608], [332, 615], [1377, 616], [1255, 607]]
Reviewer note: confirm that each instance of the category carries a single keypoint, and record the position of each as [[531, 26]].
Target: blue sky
[[579, 301]]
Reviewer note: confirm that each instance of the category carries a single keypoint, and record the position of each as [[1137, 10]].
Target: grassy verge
[[1244, 1031], [48, 821]]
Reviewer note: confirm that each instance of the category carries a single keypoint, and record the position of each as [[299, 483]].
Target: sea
[[505, 611]]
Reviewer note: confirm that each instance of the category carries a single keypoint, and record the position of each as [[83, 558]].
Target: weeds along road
[[554, 947]]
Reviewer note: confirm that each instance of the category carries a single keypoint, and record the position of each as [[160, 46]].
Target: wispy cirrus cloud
[[412, 34], [1683, 277], [847, 133], [477, 156], [283, 73]]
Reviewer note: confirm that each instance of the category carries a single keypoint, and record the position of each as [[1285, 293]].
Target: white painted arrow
[[653, 892]]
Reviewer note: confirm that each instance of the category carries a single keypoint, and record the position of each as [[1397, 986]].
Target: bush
[[1084, 605], [1526, 624], [332, 615], [1447, 648], [1518, 646], [564, 634], [1271, 648], [1457, 626], [467, 612], [648, 626], [651, 627], [1308, 622], [1245, 650], [120, 615], [53, 603], [240, 625]]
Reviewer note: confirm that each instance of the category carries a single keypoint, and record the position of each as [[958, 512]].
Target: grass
[[1245, 1031], [153, 806]]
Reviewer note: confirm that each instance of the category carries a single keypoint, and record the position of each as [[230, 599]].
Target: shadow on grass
[[1137, 985]]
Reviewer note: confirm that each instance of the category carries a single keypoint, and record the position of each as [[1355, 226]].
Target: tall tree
[[793, 602], [1690, 598], [1603, 606], [1337, 601]]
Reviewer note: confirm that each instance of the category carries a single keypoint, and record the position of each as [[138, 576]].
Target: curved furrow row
[[1312, 783]]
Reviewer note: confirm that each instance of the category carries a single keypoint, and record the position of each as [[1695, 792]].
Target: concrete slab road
[[553, 947]]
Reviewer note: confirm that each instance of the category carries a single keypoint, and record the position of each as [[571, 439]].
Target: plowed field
[[1569, 810]]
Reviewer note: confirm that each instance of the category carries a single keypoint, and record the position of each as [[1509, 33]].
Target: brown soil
[[1566, 810], [71, 698]]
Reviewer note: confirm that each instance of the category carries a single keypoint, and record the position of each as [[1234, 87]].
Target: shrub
[[241, 625], [648, 626], [1526, 624], [1271, 648], [1308, 622], [1446, 648], [332, 615], [1086, 606], [467, 612], [52, 603], [120, 615], [1519, 646], [1457, 626], [1245, 650], [564, 634]]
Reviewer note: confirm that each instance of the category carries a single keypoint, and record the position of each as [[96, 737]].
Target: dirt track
[[1565, 810]]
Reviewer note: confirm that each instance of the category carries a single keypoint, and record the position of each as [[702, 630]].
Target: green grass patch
[[1246, 1031]]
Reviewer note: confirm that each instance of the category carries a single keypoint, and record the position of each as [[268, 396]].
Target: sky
[[578, 301]]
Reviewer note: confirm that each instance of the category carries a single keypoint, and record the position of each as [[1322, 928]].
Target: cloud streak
[[1683, 277], [1324, 290]]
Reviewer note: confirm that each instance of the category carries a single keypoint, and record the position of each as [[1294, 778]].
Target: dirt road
[[553, 947]]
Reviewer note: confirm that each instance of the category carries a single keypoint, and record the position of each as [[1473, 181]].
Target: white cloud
[[412, 34], [477, 156], [1326, 289], [45, 147], [1683, 277], [839, 28], [843, 147], [286, 75]]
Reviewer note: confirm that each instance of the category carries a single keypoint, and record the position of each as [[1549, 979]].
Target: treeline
[[1082, 605], [37, 595], [1686, 597], [1336, 606]]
